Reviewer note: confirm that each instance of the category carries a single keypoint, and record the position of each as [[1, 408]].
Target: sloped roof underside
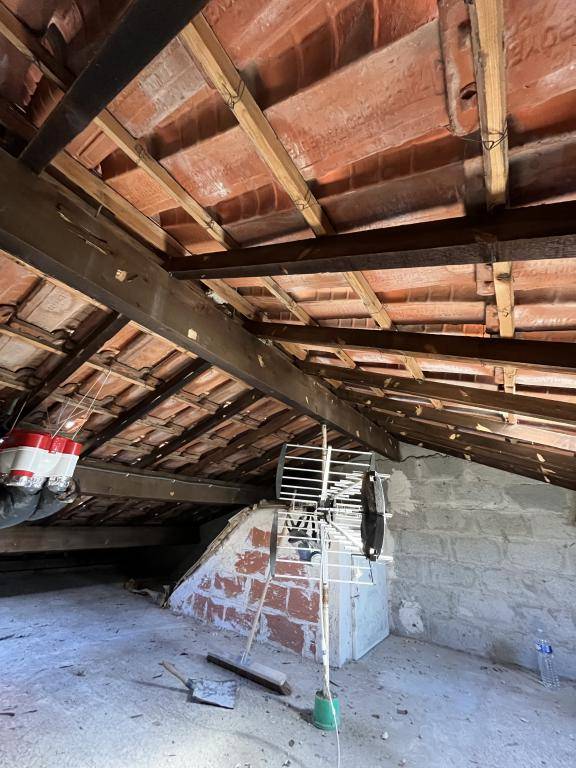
[[376, 104]]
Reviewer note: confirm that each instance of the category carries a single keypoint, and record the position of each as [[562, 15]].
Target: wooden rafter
[[199, 429], [550, 356], [139, 35], [487, 25], [201, 42], [532, 455], [23, 538], [117, 481], [15, 31], [166, 390], [271, 426], [522, 234], [468, 422], [545, 409], [33, 230], [488, 459]]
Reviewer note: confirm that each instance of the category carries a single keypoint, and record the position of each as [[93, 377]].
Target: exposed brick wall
[[227, 583], [481, 559]]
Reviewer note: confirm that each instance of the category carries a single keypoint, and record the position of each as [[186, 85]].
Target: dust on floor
[[81, 686]]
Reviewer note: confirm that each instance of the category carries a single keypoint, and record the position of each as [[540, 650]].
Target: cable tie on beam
[[305, 203], [230, 98], [84, 234]]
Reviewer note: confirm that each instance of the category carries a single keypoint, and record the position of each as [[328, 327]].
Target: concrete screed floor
[[80, 686]]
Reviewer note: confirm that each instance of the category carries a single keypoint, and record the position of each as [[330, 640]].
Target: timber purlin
[[84, 350], [33, 230], [550, 356], [142, 32], [164, 391], [469, 396], [462, 394], [453, 449], [203, 426], [517, 234]]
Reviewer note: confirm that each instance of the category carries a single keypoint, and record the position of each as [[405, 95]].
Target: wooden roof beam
[[271, 426], [550, 356], [33, 230], [425, 441], [556, 411], [28, 44], [487, 25], [116, 480], [531, 455], [467, 422], [201, 42], [204, 425], [84, 350], [163, 392], [141, 33], [24, 538], [522, 234]]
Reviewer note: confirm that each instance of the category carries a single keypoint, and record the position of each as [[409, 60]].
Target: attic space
[[287, 383]]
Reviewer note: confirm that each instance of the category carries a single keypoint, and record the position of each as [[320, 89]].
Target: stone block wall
[[482, 558], [224, 586]]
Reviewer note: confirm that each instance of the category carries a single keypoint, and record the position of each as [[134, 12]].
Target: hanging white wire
[[77, 408]]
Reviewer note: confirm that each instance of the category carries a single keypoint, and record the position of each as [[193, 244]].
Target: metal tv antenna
[[335, 513]]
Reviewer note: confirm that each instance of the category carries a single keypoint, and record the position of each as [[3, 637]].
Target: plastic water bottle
[[548, 674]]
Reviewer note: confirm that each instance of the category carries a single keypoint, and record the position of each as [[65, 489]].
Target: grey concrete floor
[[81, 686]]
